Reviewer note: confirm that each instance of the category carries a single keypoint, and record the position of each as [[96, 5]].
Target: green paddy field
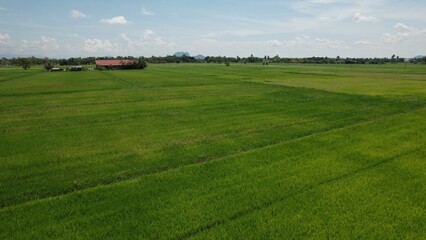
[[205, 151]]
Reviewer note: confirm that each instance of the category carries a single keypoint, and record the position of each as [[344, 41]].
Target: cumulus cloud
[[145, 12], [4, 38], [358, 17], [25, 44], [308, 42], [46, 44], [363, 42], [275, 43], [99, 46], [77, 14], [42, 45], [116, 20], [404, 33], [125, 37], [402, 27], [130, 42], [147, 43], [327, 43], [150, 37]]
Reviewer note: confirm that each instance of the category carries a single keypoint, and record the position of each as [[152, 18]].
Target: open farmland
[[206, 151]]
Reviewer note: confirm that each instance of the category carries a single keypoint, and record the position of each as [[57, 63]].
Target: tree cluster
[[142, 62], [139, 63], [418, 60], [171, 59], [308, 60]]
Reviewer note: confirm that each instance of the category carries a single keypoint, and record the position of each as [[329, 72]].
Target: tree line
[[307, 60], [28, 62]]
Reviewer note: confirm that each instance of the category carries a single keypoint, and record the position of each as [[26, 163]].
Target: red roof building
[[113, 63]]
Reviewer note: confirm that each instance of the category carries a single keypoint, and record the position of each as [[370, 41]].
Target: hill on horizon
[[181, 54]]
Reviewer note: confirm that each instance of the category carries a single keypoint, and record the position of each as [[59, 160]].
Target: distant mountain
[[419, 56], [200, 57], [181, 54]]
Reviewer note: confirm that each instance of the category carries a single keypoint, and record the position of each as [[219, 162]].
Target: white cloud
[[326, 43], [116, 20], [358, 17], [308, 42], [77, 14], [23, 46], [275, 43], [76, 35], [125, 37], [404, 33], [4, 38], [362, 42], [130, 43], [402, 27], [148, 43], [99, 46], [43, 45], [271, 26], [150, 37], [145, 12], [207, 46], [46, 44]]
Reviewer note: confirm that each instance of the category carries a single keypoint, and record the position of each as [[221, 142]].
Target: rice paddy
[[204, 151]]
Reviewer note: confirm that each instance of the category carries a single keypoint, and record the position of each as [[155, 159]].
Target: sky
[[304, 28]]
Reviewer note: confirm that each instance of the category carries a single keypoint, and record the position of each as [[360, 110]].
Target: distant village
[[112, 64]]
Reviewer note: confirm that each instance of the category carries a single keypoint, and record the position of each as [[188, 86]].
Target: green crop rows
[[206, 151]]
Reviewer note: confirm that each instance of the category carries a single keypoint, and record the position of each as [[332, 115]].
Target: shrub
[[48, 66], [139, 63]]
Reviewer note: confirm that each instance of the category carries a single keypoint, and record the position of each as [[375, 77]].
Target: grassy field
[[212, 152]]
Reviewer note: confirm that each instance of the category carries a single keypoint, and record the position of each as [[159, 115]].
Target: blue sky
[[363, 28]]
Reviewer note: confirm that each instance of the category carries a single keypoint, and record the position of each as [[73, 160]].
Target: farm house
[[113, 64], [76, 68]]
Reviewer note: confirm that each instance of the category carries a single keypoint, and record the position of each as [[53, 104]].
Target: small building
[[76, 68], [113, 64]]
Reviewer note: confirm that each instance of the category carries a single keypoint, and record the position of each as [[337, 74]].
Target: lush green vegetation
[[185, 58], [209, 151]]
